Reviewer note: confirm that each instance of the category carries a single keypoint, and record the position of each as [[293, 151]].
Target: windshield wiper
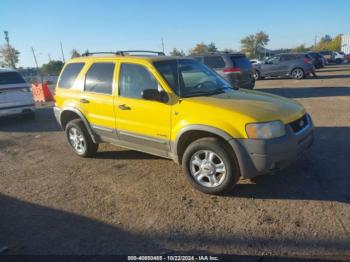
[[207, 93]]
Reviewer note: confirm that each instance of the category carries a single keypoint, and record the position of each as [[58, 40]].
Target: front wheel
[[298, 73], [338, 61], [79, 139], [210, 166]]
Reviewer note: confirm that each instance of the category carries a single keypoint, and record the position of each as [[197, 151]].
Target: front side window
[[273, 60], [99, 78], [70, 73], [214, 61], [134, 79], [187, 77]]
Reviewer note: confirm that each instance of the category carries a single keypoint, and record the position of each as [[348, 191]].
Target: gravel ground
[[126, 202]]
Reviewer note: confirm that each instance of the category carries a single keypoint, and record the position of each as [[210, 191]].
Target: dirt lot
[[125, 202]]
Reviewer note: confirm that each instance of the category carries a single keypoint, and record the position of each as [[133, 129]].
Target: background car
[[333, 57], [317, 59], [338, 57], [15, 95], [234, 67], [295, 65], [347, 58], [255, 61]]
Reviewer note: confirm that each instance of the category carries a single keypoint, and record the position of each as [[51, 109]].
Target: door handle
[[84, 101], [124, 107]]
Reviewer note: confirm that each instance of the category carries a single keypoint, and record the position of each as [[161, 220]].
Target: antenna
[[62, 53]]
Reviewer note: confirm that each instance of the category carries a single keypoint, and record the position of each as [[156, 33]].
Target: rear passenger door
[[97, 100]]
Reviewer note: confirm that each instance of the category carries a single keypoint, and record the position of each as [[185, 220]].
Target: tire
[[210, 166], [256, 75], [338, 61], [297, 73], [79, 139]]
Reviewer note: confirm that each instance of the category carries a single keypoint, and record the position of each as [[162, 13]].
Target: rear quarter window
[[70, 73], [8, 78], [241, 62], [214, 61]]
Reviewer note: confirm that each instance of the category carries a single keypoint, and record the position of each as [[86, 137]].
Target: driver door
[[143, 124]]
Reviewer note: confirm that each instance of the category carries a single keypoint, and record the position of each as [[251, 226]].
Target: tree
[[326, 38], [301, 48], [334, 44], [199, 49], [229, 50], [212, 47], [254, 45], [75, 53], [9, 56], [176, 52], [54, 67]]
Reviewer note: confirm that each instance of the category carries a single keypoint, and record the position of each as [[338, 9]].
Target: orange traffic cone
[[41, 92]]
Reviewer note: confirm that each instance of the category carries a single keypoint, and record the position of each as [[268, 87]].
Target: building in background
[[345, 44]]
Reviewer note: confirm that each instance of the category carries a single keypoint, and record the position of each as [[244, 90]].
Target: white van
[[15, 95]]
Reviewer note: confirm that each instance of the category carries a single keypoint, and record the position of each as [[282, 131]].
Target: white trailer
[[345, 44]]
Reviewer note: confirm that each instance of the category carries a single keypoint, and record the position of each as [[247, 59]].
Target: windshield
[[188, 77]]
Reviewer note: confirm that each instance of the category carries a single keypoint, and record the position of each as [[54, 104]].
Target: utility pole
[[163, 44], [37, 66], [315, 41], [62, 53], [6, 33], [49, 57]]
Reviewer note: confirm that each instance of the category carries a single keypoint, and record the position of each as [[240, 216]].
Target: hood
[[258, 106]]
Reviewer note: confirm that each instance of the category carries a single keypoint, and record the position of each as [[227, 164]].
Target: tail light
[[236, 70], [307, 61]]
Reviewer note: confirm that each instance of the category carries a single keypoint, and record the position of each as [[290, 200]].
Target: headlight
[[265, 130]]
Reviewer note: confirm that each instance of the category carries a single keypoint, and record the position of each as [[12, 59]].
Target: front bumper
[[57, 112], [258, 156]]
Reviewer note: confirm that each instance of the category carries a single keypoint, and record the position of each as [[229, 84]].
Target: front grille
[[299, 124]]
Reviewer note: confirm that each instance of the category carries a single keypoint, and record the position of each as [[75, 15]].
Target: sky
[[109, 25]]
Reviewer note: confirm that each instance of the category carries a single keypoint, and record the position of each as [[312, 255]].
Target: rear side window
[[70, 73], [134, 79], [214, 61], [99, 78], [241, 62], [9, 78]]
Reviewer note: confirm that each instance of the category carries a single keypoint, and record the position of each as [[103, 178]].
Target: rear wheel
[[79, 139], [210, 166], [338, 61], [297, 73]]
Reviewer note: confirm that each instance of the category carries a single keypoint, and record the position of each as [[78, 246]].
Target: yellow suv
[[178, 108]]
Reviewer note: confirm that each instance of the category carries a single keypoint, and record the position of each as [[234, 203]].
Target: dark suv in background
[[234, 67], [295, 65]]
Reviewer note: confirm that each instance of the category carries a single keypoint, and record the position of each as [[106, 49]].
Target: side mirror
[[155, 95]]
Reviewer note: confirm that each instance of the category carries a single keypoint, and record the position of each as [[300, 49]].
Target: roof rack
[[123, 53]]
